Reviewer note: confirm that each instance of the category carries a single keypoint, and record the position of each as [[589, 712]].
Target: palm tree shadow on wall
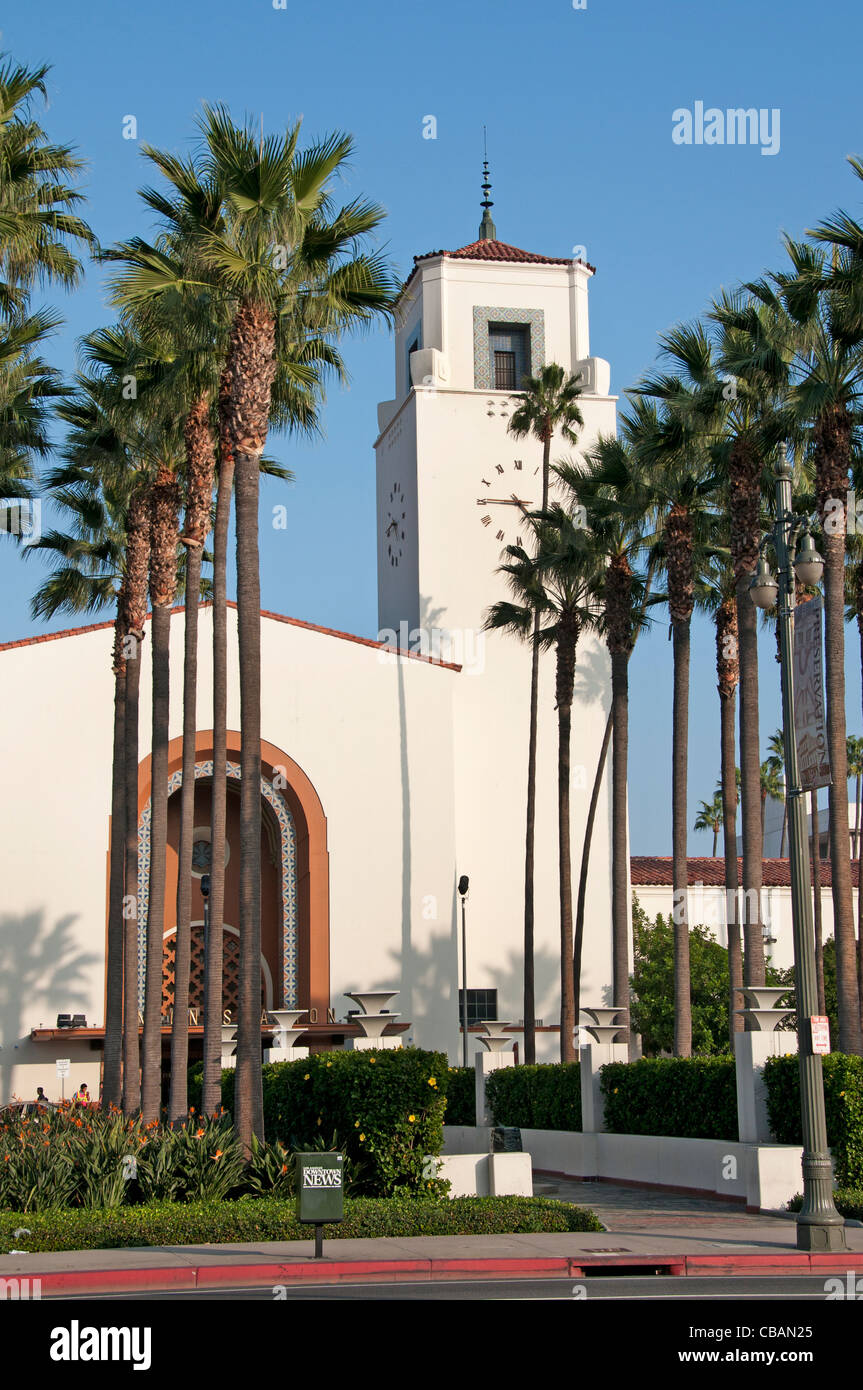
[[39, 967], [432, 979]]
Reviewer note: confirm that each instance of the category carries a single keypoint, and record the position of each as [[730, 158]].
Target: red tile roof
[[651, 871], [496, 251], [275, 617]]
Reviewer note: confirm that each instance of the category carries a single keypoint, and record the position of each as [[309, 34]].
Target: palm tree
[[715, 594], [39, 231], [279, 259], [547, 406], [771, 786], [710, 817], [682, 485], [611, 487], [776, 759], [825, 396], [854, 747], [559, 584]]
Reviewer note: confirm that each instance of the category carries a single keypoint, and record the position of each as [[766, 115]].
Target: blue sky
[[578, 105]]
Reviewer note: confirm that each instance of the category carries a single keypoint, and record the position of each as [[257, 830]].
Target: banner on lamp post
[[812, 755]]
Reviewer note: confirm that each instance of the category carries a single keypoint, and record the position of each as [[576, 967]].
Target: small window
[[509, 346], [481, 1006]]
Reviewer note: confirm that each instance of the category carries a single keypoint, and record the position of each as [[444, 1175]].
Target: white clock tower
[[451, 482]]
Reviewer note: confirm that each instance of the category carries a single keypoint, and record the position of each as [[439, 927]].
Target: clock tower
[[452, 485]]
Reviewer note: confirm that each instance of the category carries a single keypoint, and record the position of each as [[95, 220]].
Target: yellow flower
[[362, 1136], [306, 1077], [372, 1060], [329, 1064], [433, 1081], [319, 1119], [411, 1119], [615, 1090]]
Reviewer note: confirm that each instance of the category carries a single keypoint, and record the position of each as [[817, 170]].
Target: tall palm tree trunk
[[163, 572], [137, 560], [212, 1088], [530, 820], [816, 889], [727, 677], [178, 1099], [578, 935], [832, 456], [680, 736], [253, 355], [745, 505], [618, 612], [566, 646], [679, 531], [529, 838], [199, 481], [112, 1075]]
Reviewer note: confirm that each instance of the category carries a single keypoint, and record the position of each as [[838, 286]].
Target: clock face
[[394, 525], [506, 492]]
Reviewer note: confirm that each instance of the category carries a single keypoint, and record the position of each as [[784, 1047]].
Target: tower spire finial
[[487, 229]]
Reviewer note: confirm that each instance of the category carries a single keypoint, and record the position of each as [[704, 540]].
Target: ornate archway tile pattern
[[288, 854]]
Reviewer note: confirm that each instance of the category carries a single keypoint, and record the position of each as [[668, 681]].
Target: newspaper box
[[320, 1188]]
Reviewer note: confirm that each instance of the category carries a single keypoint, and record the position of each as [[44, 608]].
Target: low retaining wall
[[764, 1176]]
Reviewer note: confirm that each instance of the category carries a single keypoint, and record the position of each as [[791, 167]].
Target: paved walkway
[[658, 1231]]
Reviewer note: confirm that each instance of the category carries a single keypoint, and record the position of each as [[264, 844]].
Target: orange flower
[[199, 1134], [217, 1155]]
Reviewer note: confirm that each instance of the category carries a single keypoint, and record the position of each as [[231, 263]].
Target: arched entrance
[[294, 876]]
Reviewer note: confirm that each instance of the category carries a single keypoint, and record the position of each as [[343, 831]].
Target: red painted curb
[[392, 1271]]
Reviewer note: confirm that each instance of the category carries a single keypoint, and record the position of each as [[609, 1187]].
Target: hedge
[[460, 1096], [848, 1202], [384, 1107], [843, 1103], [267, 1219], [690, 1097], [547, 1096]]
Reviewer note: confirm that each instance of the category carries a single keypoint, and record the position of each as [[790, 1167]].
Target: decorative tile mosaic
[[288, 848], [483, 315]]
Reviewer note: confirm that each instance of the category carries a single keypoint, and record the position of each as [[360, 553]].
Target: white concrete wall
[[707, 907], [360, 725]]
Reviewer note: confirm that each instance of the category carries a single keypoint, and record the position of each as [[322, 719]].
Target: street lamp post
[[819, 1225], [463, 884]]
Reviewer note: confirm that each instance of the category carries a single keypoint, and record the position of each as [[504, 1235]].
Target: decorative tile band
[[288, 856], [483, 315]]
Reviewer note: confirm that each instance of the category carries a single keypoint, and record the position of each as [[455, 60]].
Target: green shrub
[[269, 1219], [460, 1096], [847, 1200], [547, 1096], [691, 1097], [843, 1104], [364, 1099]]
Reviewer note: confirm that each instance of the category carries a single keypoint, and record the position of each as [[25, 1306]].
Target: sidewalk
[[657, 1231]]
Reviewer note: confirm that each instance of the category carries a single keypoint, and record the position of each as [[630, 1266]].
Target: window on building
[[481, 1006], [509, 346]]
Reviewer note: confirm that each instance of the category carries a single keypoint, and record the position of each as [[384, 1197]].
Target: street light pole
[[463, 885], [819, 1225]]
